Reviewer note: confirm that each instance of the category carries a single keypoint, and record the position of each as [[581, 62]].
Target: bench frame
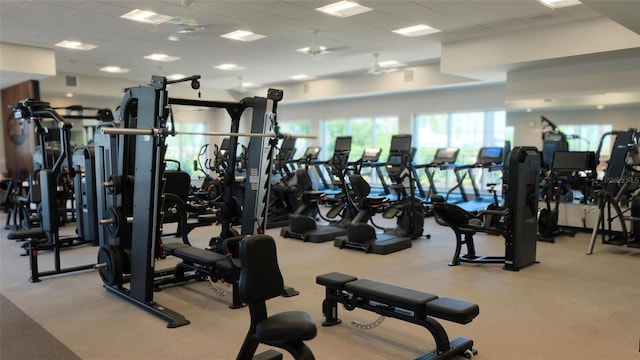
[[336, 293]]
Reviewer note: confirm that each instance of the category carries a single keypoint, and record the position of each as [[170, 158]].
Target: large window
[[467, 131], [365, 132], [300, 127]]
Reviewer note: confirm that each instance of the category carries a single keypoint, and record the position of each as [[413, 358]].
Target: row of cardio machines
[[354, 207]]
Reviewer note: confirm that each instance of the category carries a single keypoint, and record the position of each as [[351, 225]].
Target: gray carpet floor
[[569, 306]]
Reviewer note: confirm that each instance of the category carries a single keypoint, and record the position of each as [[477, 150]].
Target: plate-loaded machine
[[130, 165], [416, 307], [54, 168]]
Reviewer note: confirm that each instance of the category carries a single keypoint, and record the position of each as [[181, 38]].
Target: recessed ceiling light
[[302, 77], [176, 76], [600, 107], [560, 3], [161, 57], [75, 45], [69, 95], [416, 30], [390, 63], [344, 9], [243, 35], [228, 66], [145, 16], [114, 69]]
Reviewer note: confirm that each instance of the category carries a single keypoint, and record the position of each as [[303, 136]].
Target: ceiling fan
[[377, 69], [186, 24], [315, 49]]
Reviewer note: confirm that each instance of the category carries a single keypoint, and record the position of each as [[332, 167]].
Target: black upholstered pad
[[198, 256], [458, 311], [390, 295], [286, 326], [334, 280], [169, 248], [226, 265], [27, 234]]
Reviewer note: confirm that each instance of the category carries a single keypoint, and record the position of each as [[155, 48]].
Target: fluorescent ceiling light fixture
[[114, 69], [249, 85], [145, 16], [344, 9], [302, 77], [228, 66], [560, 3], [161, 57], [176, 76], [416, 30], [75, 45], [243, 35], [390, 63]]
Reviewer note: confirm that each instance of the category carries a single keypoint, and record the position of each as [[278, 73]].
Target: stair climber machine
[[408, 210], [302, 223], [622, 207]]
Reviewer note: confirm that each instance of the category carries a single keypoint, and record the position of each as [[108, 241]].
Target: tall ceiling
[[287, 25]]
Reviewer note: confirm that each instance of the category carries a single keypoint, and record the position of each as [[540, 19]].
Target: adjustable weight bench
[[416, 307]]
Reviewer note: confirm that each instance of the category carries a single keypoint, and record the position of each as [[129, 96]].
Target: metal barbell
[[163, 131]]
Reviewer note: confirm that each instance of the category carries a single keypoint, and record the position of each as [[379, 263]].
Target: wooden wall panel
[[19, 136]]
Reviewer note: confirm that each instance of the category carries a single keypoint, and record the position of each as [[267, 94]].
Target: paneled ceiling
[[287, 25]]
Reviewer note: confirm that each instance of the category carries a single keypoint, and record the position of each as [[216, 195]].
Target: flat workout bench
[[417, 307]]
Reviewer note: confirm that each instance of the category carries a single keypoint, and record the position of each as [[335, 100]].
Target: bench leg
[[33, 260], [330, 308], [236, 302]]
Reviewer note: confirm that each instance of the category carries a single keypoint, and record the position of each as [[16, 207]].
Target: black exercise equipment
[[444, 160], [302, 223], [360, 234], [564, 168], [47, 236], [261, 280], [622, 208], [552, 140], [518, 217], [130, 166], [409, 305], [490, 159]]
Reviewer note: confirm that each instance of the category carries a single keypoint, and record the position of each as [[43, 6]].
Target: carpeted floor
[[23, 338], [569, 306]]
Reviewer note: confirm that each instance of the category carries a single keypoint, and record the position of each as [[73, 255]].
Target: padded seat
[[286, 326], [458, 311], [170, 248], [199, 256], [334, 280], [391, 295], [35, 233]]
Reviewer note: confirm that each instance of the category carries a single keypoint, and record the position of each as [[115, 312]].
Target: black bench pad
[[36, 233], [334, 280], [461, 312], [198, 256], [391, 295], [170, 248]]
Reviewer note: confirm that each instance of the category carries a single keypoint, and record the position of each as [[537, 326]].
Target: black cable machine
[[518, 217], [130, 166]]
